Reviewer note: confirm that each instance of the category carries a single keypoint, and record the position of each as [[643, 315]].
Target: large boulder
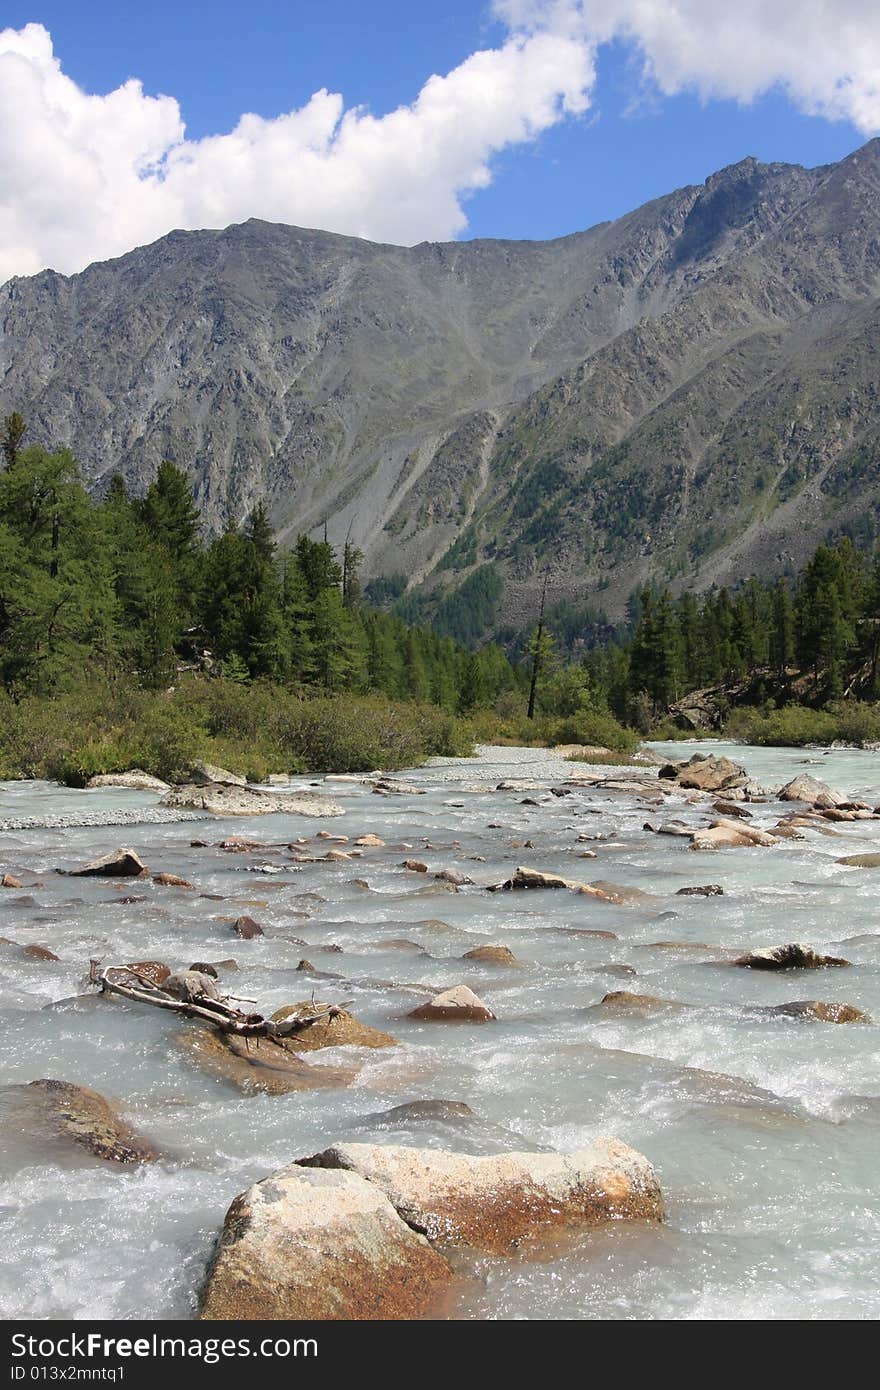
[[792, 956], [136, 780], [119, 863], [458, 1005], [311, 1245], [493, 1203], [85, 1118], [811, 790], [223, 800], [706, 773], [341, 1029], [207, 775]]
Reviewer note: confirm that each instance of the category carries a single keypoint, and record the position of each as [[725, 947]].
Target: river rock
[[119, 863], [493, 1203], [247, 928], [706, 773], [314, 1245], [37, 952], [207, 775], [727, 835], [814, 1010], [861, 861], [370, 841], [342, 1030], [809, 789], [627, 1002], [256, 1064], [171, 881], [136, 780], [492, 955], [702, 890], [223, 800], [457, 1005], [87, 1119], [415, 866], [454, 876], [792, 956], [731, 808], [10, 881], [154, 972]]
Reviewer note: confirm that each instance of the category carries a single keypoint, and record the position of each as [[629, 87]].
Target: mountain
[[685, 393]]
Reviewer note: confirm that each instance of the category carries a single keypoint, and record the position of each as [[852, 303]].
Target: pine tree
[[12, 435]]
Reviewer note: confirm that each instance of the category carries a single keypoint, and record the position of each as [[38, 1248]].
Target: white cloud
[[825, 54], [84, 177]]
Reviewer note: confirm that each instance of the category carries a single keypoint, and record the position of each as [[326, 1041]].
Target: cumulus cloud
[[825, 54], [84, 177]]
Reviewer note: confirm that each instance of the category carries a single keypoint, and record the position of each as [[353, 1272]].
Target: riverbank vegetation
[[127, 639]]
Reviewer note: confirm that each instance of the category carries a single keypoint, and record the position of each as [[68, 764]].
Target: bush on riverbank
[[506, 722], [252, 730], [793, 726]]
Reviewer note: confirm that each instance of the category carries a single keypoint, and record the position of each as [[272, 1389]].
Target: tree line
[[818, 629], [125, 584]]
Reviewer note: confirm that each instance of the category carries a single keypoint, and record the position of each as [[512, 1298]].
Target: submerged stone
[[86, 1118], [793, 956]]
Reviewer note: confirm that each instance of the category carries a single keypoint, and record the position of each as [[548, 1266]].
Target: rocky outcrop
[[792, 956], [119, 863], [494, 1203], [341, 1029], [86, 1119], [458, 1005], [308, 1244], [223, 800], [810, 790]]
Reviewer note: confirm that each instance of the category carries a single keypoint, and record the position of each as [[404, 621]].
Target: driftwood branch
[[134, 985]]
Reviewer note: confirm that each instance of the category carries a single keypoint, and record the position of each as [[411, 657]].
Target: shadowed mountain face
[[687, 392]]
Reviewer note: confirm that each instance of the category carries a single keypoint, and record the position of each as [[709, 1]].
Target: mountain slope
[[681, 392]]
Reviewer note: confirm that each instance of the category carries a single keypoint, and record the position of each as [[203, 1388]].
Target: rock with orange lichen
[[495, 1203]]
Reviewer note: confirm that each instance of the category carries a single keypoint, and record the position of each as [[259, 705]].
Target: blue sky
[[222, 59]]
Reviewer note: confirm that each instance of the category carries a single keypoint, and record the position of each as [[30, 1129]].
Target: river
[[764, 1131]]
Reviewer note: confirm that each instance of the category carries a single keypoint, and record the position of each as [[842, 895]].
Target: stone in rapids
[[457, 1005], [792, 956], [119, 863], [494, 1203], [85, 1118], [340, 1030], [313, 1245]]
